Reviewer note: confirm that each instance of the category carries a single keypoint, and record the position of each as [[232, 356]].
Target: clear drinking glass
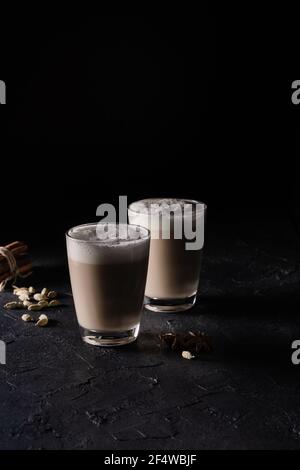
[[108, 269], [175, 257]]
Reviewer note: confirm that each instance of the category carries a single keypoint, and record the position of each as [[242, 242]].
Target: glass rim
[[100, 241], [190, 201]]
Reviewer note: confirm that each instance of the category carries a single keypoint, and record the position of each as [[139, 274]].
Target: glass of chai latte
[[108, 268], [177, 239]]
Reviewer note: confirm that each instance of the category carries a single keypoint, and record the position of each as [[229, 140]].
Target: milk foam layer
[[107, 243], [149, 213], [175, 206]]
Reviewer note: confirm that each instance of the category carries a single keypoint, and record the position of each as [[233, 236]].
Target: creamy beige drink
[[174, 262], [108, 270], [173, 272]]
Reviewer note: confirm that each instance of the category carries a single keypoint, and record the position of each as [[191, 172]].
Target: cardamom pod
[[34, 307], [13, 305], [23, 297], [26, 317], [42, 321], [20, 291], [187, 355], [38, 297]]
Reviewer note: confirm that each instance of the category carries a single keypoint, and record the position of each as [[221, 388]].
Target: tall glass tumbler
[[108, 268], [176, 248]]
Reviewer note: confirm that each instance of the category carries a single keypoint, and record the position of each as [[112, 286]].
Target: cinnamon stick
[[20, 259], [26, 269], [15, 248], [13, 245], [20, 252]]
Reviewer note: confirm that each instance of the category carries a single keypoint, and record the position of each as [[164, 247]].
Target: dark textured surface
[[58, 393]]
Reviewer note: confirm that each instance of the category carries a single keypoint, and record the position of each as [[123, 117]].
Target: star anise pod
[[194, 341]]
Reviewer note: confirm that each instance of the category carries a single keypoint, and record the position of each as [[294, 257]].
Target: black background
[[172, 105], [190, 105]]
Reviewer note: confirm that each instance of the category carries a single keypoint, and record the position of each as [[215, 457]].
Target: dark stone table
[[58, 393]]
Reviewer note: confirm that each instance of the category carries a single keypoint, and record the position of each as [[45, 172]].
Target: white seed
[[43, 303], [27, 317], [45, 291], [54, 303], [34, 307], [31, 290], [23, 297], [13, 305], [52, 294], [38, 297], [26, 303], [42, 321], [187, 355]]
